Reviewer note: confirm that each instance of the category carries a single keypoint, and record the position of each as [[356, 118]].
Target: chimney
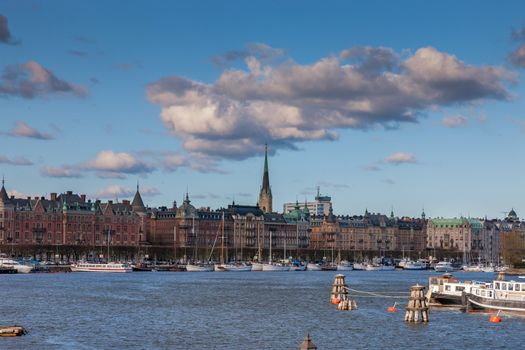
[[110, 202], [69, 193], [53, 196], [36, 198], [125, 202], [83, 198]]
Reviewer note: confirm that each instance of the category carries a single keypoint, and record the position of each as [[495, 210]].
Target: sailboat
[[197, 266], [230, 267], [274, 266]]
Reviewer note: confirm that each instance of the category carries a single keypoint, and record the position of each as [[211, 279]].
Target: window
[[504, 286], [511, 286], [497, 286], [447, 288], [517, 287]]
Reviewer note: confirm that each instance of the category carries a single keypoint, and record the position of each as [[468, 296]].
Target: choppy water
[[232, 311]]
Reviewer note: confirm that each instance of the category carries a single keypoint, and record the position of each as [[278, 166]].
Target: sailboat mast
[[222, 239], [270, 257]]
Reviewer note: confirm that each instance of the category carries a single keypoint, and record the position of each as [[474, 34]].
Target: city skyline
[[382, 109]]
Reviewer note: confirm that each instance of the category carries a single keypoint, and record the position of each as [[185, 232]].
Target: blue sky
[[382, 104]]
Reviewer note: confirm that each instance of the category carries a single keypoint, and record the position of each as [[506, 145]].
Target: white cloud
[[454, 121], [117, 191], [111, 162], [31, 80], [401, 158], [287, 103], [60, 172], [22, 129], [15, 161]]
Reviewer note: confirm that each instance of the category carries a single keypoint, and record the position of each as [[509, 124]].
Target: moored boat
[[313, 267], [257, 266], [447, 290], [238, 267], [359, 266], [414, 265], [345, 265], [101, 267], [194, 267], [275, 267], [444, 266], [499, 295], [13, 264]]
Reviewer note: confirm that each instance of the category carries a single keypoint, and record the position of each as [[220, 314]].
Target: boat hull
[[199, 268], [275, 268], [479, 303], [313, 267], [238, 268], [107, 270], [257, 266]]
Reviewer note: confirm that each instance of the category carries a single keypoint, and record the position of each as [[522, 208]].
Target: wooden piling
[[417, 305], [340, 296]]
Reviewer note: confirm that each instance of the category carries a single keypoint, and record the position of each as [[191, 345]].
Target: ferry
[[101, 267], [448, 290], [498, 295]]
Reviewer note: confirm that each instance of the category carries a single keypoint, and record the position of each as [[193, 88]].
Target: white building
[[321, 206]]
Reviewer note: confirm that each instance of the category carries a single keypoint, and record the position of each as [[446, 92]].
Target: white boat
[[414, 265], [359, 266], [313, 267], [199, 267], [298, 267], [387, 267], [238, 267], [275, 267], [13, 264], [101, 267], [472, 268], [498, 295], [372, 267], [345, 265], [444, 266], [257, 266], [448, 290]]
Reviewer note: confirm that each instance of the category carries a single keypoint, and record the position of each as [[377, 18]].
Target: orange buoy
[[336, 301], [494, 319], [391, 309]]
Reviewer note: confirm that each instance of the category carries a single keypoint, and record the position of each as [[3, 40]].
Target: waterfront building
[[321, 206], [265, 194], [67, 224]]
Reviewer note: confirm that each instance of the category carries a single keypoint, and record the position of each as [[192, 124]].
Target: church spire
[[3, 193], [265, 195], [137, 204]]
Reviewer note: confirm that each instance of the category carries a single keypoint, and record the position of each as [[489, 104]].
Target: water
[[254, 310]]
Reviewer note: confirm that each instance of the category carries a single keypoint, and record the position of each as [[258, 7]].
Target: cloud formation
[[517, 57], [5, 34], [31, 80], [60, 172], [15, 161], [287, 103], [261, 51], [454, 121], [401, 158], [109, 162], [22, 129], [117, 191]]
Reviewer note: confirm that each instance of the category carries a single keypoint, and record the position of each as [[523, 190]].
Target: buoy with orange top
[[335, 301], [392, 308], [495, 318]]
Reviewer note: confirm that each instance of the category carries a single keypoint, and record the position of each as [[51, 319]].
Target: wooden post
[[340, 296], [417, 304]]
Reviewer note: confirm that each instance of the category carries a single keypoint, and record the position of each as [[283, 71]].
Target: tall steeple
[[265, 196], [137, 204], [3, 193]]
